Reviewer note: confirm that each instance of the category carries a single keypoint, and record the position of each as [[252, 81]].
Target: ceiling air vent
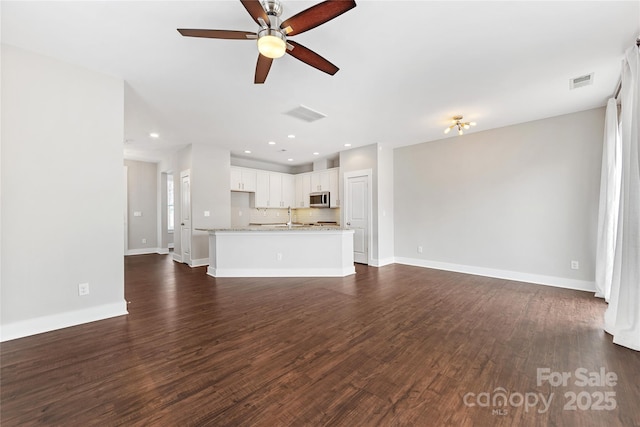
[[306, 114], [581, 81]]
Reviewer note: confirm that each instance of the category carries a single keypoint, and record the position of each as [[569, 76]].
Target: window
[[170, 214]]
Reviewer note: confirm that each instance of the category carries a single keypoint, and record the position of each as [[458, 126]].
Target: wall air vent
[[581, 81], [306, 114]]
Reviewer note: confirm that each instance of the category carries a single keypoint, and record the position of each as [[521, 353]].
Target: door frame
[[184, 173], [343, 209]]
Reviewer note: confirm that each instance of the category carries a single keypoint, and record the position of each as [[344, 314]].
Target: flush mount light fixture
[[272, 143], [292, 136], [247, 151], [316, 153], [154, 135], [290, 160], [457, 122], [347, 145]]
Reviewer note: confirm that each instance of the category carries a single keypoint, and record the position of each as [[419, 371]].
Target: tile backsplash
[[242, 214]]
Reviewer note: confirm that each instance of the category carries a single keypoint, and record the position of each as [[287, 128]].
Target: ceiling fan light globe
[[271, 46], [447, 130]]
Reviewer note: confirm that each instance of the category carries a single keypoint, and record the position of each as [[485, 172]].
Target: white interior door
[[357, 216], [185, 216]]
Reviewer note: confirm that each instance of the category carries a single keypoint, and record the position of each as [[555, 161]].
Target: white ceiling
[[406, 67]]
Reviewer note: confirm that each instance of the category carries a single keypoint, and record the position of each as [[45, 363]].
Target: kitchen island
[[281, 251]]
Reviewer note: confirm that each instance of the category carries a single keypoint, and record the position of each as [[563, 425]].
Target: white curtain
[[622, 318], [610, 180]]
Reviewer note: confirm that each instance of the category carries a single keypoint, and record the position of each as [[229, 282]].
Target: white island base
[[281, 252]]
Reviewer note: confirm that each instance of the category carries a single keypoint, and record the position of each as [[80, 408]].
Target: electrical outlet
[[239, 213], [419, 249], [83, 289], [144, 240], [279, 256], [575, 265], [207, 213]]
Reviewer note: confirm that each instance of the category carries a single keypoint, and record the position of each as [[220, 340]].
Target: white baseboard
[[382, 262], [39, 325], [144, 251], [199, 262], [538, 279], [285, 272], [177, 257]]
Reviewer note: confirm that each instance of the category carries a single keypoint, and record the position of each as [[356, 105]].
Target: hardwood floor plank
[[396, 345]]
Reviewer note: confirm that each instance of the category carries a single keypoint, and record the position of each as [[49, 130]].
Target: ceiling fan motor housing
[[272, 7]]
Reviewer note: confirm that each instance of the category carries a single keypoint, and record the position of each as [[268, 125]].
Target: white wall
[[62, 194], [384, 208], [210, 191], [142, 197], [367, 157], [521, 199]]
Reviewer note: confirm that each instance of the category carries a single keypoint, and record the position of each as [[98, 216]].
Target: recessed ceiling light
[[347, 145], [272, 143], [291, 136], [290, 160], [316, 153], [154, 135], [247, 151]]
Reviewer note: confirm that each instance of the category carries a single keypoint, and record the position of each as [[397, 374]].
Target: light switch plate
[[207, 213]]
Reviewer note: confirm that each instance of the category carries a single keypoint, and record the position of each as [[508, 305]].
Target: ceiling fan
[[273, 34]]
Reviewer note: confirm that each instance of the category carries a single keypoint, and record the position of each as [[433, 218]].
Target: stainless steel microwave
[[319, 200]]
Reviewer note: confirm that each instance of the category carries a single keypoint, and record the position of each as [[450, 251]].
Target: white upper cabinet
[[334, 188], [274, 190], [262, 189], [243, 179], [320, 181], [287, 195], [281, 190], [303, 188]]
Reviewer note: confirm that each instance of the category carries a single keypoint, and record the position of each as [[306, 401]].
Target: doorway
[[357, 206]]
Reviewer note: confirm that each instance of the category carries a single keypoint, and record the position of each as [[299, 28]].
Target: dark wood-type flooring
[[389, 346]]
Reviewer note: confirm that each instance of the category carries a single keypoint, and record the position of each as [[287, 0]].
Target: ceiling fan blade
[[262, 69], [218, 34], [255, 9], [316, 15], [309, 57]]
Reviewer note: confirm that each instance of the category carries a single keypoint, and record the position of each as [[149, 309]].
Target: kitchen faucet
[[289, 223]]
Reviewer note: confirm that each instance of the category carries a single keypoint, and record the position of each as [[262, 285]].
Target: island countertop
[[263, 228]]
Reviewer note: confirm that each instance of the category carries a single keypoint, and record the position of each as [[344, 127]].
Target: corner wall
[[519, 202], [62, 194]]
